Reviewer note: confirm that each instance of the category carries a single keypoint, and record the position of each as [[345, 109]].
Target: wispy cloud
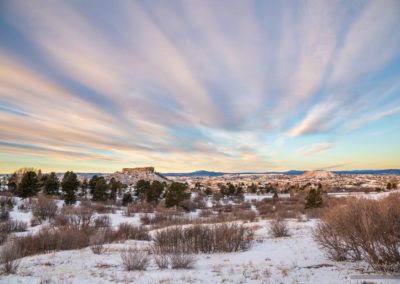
[[315, 149], [193, 84]]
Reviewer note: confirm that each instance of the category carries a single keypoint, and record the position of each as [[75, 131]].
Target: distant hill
[[317, 174], [291, 172], [196, 173], [395, 172], [215, 174]]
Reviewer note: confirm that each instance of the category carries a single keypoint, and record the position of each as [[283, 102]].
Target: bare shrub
[[162, 260], [138, 207], [9, 257], [130, 210], [188, 205], [51, 239], [245, 215], [26, 205], [164, 220], [96, 242], [363, 229], [35, 221], [279, 228], [80, 217], [102, 222], [44, 208], [4, 214], [181, 260], [281, 207], [206, 213], [204, 238], [101, 208], [7, 202], [13, 226], [134, 259], [129, 232]]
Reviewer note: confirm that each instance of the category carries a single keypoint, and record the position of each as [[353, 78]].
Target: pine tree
[[84, 187], [126, 199], [155, 191], [175, 194], [92, 183], [100, 190], [116, 186], [314, 199], [13, 183], [51, 184], [29, 185], [142, 187], [69, 185]]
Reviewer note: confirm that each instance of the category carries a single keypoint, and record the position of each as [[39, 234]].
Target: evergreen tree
[[51, 184], [13, 183], [239, 191], [231, 189], [116, 187], [69, 185], [155, 191], [29, 185], [223, 189], [314, 199], [84, 187], [252, 188], [142, 187], [208, 191], [92, 183], [126, 199], [175, 194], [100, 190]]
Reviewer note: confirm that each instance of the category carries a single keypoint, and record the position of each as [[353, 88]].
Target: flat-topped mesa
[[133, 170], [131, 176]]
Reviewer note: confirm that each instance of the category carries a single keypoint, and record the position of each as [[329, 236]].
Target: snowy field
[[294, 259]]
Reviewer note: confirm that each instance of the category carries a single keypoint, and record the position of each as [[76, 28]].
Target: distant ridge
[[395, 172], [291, 172]]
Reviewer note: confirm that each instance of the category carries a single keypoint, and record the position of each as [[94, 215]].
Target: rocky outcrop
[[131, 176]]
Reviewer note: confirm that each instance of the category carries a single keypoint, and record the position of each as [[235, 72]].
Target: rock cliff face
[[131, 176], [138, 170]]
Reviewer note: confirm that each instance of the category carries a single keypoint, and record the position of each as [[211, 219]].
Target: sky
[[95, 86]]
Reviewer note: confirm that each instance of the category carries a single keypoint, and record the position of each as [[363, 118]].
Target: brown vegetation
[[363, 229]]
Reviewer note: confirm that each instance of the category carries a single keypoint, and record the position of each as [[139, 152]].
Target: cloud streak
[[193, 84], [317, 148]]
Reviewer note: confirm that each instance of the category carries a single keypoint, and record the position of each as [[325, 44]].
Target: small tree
[[126, 199], [116, 186], [208, 191], [51, 184], [314, 199], [13, 183], [142, 187], [100, 190], [252, 188], [175, 194], [69, 185], [29, 185], [155, 191], [84, 186], [92, 183]]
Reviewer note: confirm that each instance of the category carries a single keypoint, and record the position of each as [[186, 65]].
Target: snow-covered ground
[[371, 195], [294, 259]]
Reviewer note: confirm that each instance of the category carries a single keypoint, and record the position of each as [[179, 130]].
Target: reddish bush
[[363, 229]]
